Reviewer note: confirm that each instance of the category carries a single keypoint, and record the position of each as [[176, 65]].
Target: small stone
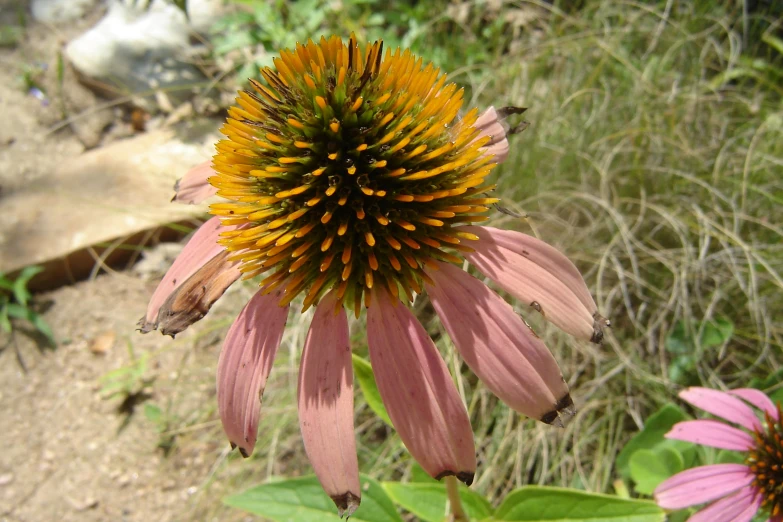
[[6, 478], [103, 343], [83, 505]]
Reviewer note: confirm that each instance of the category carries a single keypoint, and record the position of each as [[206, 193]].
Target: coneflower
[[736, 491], [352, 181]]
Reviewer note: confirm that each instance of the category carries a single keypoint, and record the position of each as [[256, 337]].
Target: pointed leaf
[[427, 500], [538, 504], [303, 500], [364, 375]]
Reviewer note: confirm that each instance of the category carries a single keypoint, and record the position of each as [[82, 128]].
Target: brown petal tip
[[242, 451], [564, 406], [552, 418], [346, 503], [505, 112], [145, 326], [463, 476], [599, 323]]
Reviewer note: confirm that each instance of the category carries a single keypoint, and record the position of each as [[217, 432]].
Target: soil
[[72, 450]]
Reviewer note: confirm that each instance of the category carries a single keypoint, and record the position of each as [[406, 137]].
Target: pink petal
[[542, 254], [722, 405], [740, 507], [497, 345], [499, 150], [201, 248], [712, 433], [702, 484], [245, 362], [191, 300], [415, 385], [538, 282], [489, 124], [758, 399], [194, 187], [325, 396]]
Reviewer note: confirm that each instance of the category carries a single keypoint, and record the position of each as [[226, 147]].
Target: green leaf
[[419, 475], [5, 323], [539, 504], [42, 327], [21, 294], [366, 378], [771, 380], [678, 341], [18, 311], [716, 332], [729, 457], [657, 425], [153, 413], [303, 500], [651, 467], [682, 369], [428, 500]]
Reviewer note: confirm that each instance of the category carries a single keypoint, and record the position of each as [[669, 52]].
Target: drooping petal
[[415, 385], [711, 433], [325, 396], [722, 405], [191, 301], [489, 124], [542, 278], [758, 399], [542, 254], [498, 346], [199, 250], [193, 187], [739, 507], [703, 484], [245, 362]]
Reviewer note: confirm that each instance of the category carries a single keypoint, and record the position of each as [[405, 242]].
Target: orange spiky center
[[348, 169], [766, 462]]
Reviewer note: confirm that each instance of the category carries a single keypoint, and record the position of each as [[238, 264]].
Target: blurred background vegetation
[[654, 160]]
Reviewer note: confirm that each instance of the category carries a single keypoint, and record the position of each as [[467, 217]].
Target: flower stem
[[455, 504]]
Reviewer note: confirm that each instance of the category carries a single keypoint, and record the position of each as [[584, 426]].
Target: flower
[[739, 491], [351, 181]]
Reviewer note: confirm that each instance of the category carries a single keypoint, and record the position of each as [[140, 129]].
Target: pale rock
[[58, 11], [130, 30], [137, 50]]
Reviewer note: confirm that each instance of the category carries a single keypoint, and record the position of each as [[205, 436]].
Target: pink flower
[[350, 181], [737, 491]]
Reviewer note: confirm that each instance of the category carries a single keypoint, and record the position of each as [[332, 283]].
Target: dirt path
[[68, 453]]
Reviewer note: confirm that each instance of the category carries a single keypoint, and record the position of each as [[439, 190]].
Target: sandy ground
[[70, 452]]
